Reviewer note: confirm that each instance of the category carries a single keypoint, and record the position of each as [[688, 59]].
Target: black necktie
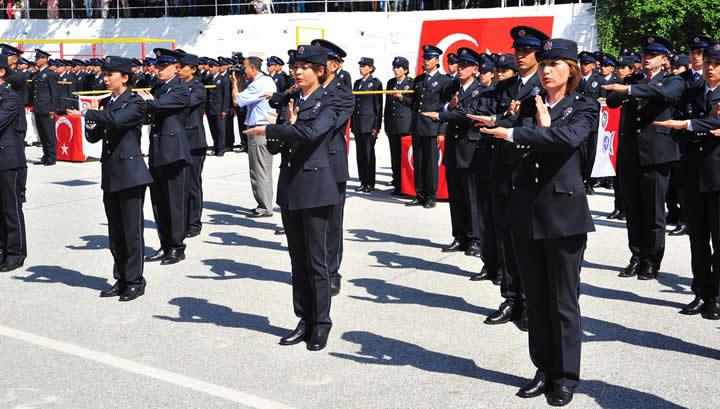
[[708, 94], [519, 85]]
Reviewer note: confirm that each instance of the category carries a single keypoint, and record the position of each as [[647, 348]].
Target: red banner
[[484, 35], [407, 170], [69, 132]]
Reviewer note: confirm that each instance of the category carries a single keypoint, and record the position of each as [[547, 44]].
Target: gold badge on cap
[[651, 40], [521, 33], [696, 39], [548, 46], [301, 50]]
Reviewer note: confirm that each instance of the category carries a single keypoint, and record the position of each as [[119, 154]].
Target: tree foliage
[[621, 23]]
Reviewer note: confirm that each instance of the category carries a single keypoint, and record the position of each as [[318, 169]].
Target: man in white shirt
[[260, 160]]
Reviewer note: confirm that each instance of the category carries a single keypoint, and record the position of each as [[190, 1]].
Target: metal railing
[[80, 9]]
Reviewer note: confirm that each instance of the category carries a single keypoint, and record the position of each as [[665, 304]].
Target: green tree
[[621, 23]]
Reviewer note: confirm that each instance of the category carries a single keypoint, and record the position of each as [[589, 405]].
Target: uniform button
[[701, 149], [289, 164], [537, 180], [637, 131], [537, 165], [517, 146], [637, 119]]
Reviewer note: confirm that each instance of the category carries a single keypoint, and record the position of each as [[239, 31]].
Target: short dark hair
[[255, 62]]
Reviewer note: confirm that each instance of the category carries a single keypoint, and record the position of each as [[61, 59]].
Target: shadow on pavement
[[398, 261], [383, 292], [234, 239], [226, 269], [231, 220], [56, 274], [381, 237], [620, 295], [197, 310]]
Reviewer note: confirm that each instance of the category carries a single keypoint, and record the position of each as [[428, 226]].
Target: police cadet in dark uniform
[[217, 107], [125, 175], [344, 76], [509, 94], [307, 193], [13, 241], [591, 87], [432, 90], [398, 118], [46, 98], [551, 218], [96, 79], [169, 156], [344, 103], [467, 162], [608, 63], [701, 180], [646, 153], [196, 140], [365, 123], [18, 80], [625, 71]]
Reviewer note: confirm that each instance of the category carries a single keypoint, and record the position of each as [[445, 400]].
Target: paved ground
[[408, 325]]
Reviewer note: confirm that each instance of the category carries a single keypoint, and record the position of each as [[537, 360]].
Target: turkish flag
[[607, 143], [484, 35], [68, 131]]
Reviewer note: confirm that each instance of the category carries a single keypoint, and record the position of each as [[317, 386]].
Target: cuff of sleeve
[[629, 89], [689, 125], [510, 137]]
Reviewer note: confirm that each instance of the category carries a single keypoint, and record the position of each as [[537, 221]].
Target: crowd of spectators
[[67, 9]]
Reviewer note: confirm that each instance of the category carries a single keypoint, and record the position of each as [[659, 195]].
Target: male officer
[[217, 107], [13, 243], [18, 81], [432, 91], [467, 161], [509, 94], [344, 102], [397, 118], [646, 153], [591, 83], [169, 156], [196, 140], [452, 60], [365, 123], [46, 99], [281, 79], [608, 63]]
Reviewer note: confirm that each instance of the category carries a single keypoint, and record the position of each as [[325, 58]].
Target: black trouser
[[230, 130], [124, 211], [675, 197], [365, 147], [395, 158], [618, 188], [510, 283], [425, 162], [194, 189], [169, 202], [335, 235], [13, 241], [550, 272], [23, 171], [704, 229], [217, 131], [307, 234], [644, 189], [46, 133]]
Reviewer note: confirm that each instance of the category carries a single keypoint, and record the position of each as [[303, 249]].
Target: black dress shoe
[[296, 336], [482, 275], [115, 291], [534, 388], [647, 272], [369, 189], [220, 154], [589, 190], [680, 230], [158, 256], [415, 202], [318, 339], [242, 149], [473, 249], [497, 280], [711, 311], [192, 233], [621, 216], [560, 395], [522, 323], [456, 245], [132, 292], [614, 214], [279, 232], [360, 188], [508, 311], [173, 256], [694, 308], [11, 264], [334, 286], [631, 270], [50, 162], [396, 192], [429, 204]]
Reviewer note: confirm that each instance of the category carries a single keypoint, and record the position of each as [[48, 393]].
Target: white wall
[[378, 35]]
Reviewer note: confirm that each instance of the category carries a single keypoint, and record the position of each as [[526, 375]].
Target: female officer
[[124, 174], [13, 245], [307, 193], [551, 217]]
